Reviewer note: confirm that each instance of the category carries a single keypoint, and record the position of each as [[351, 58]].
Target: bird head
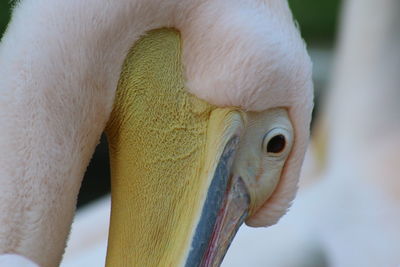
[[189, 166]]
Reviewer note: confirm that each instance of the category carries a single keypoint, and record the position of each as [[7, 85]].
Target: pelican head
[[206, 106]]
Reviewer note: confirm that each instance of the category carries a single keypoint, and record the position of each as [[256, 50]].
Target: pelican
[[347, 211], [206, 105]]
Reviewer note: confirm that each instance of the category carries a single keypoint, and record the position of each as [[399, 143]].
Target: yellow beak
[[174, 201]]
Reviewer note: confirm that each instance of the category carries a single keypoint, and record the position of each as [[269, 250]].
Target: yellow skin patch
[[158, 136]]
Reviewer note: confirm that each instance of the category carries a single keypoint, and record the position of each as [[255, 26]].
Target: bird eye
[[275, 142]]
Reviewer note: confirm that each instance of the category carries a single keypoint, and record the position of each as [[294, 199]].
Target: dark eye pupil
[[276, 144]]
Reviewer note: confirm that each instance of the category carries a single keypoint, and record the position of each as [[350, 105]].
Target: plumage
[[60, 62]]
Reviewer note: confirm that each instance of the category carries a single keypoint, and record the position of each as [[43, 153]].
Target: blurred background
[[318, 21]]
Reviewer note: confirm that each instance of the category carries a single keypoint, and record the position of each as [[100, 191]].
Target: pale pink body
[[59, 66]]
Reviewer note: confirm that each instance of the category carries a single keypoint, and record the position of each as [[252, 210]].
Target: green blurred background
[[318, 23]]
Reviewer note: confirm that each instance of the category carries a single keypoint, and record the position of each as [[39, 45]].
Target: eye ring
[[276, 142]]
